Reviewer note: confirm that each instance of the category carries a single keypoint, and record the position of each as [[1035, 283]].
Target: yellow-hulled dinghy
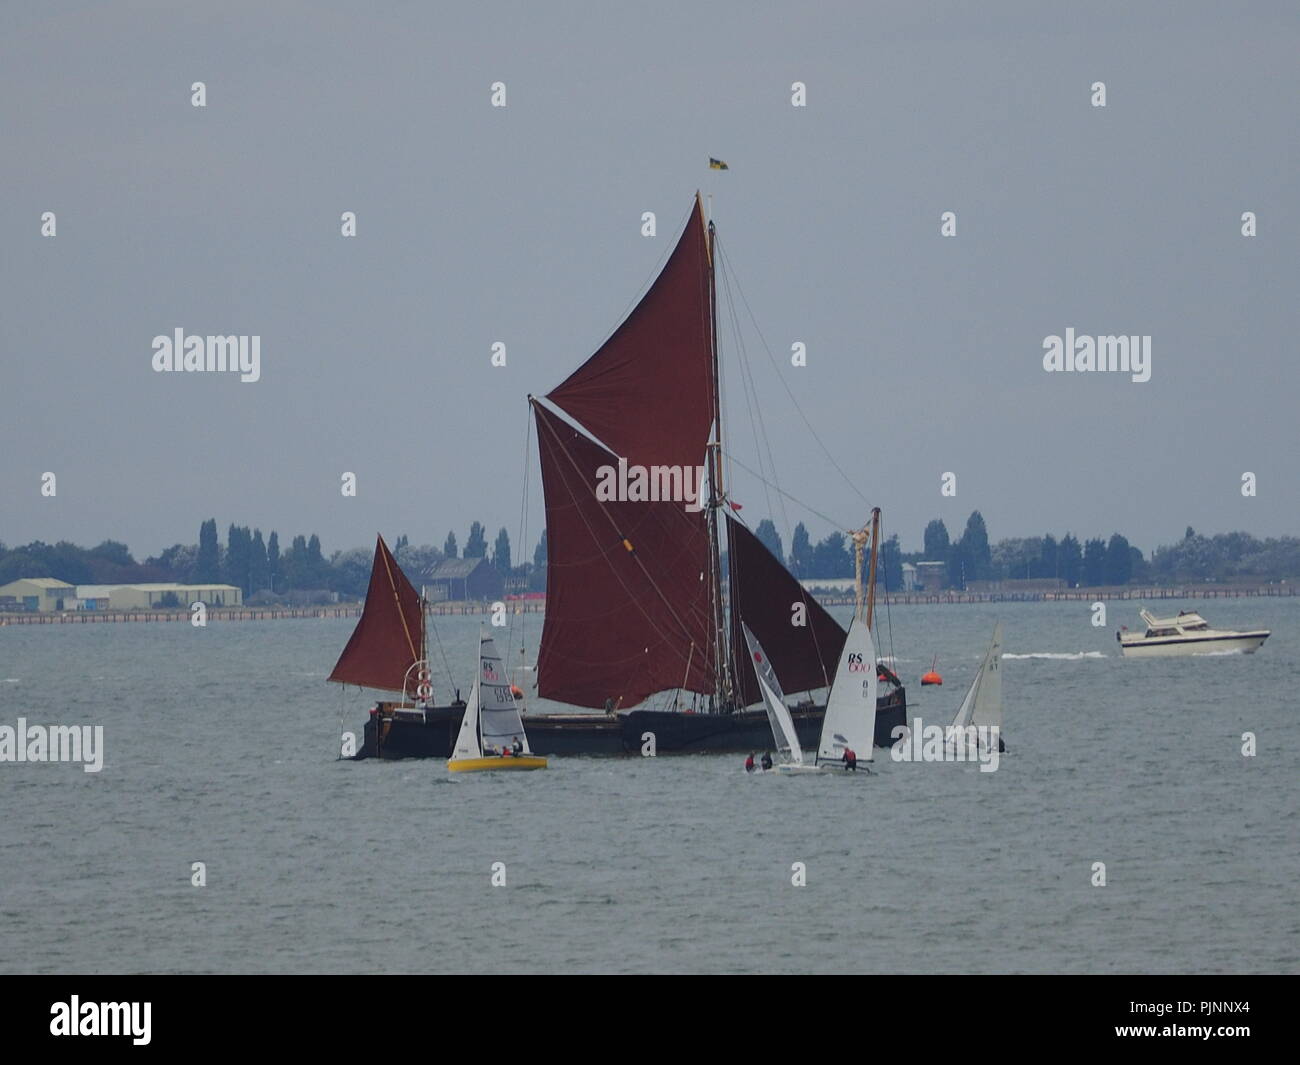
[[492, 737]]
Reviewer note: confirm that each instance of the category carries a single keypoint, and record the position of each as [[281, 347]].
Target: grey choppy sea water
[[220, 747]]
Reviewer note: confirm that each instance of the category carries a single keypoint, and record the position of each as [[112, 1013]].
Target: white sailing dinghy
[[492, 733], [850, 721], [778, 714], [982, 707]]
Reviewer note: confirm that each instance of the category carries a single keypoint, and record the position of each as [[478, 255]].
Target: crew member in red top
[[850, 759], [749, 763]]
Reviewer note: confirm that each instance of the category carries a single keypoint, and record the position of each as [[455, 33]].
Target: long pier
[[243, 613], [1077, 595], [538, 606]]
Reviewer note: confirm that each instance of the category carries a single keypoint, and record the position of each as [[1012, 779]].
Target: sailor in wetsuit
[[517, 747], [767, 761]]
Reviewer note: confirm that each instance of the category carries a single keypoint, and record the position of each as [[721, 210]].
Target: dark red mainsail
[[388, 639], [763, 594], [647, 393], [627, 589]]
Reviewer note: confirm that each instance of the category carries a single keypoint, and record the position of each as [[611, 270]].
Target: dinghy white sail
[[778, 714], [849, 728], [978, 723], [492, 733]]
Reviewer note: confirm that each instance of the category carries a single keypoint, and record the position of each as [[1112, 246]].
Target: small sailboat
[[778, 714], [389, 651], [849, 728], [850, 723], [492, 733], [981, 710]]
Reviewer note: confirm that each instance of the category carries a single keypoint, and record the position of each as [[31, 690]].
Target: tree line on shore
[[259, 567], [264, 572], [1091, 563]]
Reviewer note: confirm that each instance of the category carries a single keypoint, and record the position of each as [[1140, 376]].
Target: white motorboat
[[1186, 634]]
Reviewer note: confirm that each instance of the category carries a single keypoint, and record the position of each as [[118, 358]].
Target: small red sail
[[627, 589], [763, 594], [388, 639], [647, 393]]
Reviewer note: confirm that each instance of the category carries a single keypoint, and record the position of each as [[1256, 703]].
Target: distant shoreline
[[538, 606]]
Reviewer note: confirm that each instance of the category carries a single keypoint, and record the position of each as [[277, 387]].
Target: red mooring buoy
[[932, 677]]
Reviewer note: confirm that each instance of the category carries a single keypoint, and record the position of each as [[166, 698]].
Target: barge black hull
[[432, 733]]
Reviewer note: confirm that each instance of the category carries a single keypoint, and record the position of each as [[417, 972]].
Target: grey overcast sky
[[522, 225]]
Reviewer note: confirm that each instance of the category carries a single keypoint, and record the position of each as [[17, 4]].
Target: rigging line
[[771, 459], [838, 525], [785, 515], [746, 375], [748, 389], [757, 425], [889, 617], [785, 384], [523, 547], [595, 540], [446, 665], [889, 624], [812, 630], [716, 521], [342, 697], [397, 599], [747, 385]]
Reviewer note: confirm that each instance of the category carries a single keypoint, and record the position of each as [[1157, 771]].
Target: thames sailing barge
[[637, 608], [641, 622], [388, 651]]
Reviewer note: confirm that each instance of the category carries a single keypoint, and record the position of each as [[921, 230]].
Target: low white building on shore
[[41, 594], [151, 596]]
